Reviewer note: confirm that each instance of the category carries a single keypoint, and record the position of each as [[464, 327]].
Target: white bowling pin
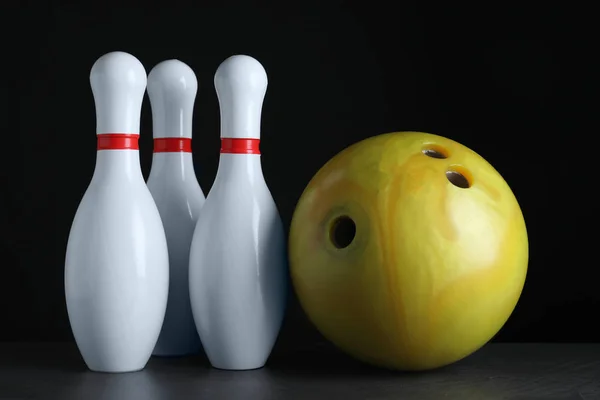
[[172, 88], [238, 260], [117, 265]]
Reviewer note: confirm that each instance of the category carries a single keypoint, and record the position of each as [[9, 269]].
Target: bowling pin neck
[[118, 164], [173, 166], [173, 122], [241, 120], [239, 166]]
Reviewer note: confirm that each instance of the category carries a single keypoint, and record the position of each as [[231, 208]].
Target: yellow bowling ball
[[408, 251]]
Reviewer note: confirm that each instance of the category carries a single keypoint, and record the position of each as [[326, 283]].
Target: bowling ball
[[408, 251]]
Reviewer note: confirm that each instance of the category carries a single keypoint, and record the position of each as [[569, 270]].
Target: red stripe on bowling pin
[[172, 145], [118, 141], [240, 146]]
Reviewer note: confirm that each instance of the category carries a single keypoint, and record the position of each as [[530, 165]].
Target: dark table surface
[[498, 371]]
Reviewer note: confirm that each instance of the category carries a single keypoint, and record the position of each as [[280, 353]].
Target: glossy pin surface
[[238, 263], [172, 88], [116, 269]]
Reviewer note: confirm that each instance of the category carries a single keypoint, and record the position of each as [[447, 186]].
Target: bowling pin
[[172, 88], [117, 264], [238, 260]]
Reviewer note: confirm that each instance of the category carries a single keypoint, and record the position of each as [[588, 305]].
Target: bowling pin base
[[103, 363], [128, 371], [237, 367], [124, 369], [237, 363]]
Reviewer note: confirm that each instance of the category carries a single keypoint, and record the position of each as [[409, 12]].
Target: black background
[[515, 84]]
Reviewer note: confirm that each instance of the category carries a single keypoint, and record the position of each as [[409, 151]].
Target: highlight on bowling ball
[[408, 251]]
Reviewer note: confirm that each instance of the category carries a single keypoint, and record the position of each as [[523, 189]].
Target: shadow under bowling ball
[[408, 251]]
